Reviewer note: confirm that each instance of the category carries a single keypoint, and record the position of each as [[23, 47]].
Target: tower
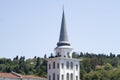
[[62, 66]]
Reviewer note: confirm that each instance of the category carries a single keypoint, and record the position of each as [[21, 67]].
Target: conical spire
[[63, 39], [63, 32]]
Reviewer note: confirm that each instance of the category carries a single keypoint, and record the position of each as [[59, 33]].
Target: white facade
[[63, 68]]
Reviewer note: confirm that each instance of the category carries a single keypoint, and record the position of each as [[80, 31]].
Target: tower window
[[58, 54], [62, 77], [67, 76], [53, 76], [57, 77], [76, 67], [62, 65], [71, 64], [49, 66], [67, 65], [49, 77], [58, 65], [76, 77], [53, 65], [71, 76], [68, 55]]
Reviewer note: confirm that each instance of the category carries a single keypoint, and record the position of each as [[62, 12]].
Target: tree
[[86, 65], [45, 56], [51, 56], [115, 61], [94, 62], [75, 55], [38, 62], [108, 66], [81, 54], [82, 74]]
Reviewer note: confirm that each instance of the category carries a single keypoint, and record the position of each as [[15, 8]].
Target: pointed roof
[[63, 39], [63, 32]]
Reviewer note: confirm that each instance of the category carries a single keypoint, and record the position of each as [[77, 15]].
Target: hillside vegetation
[[93, 66], [35, 66]]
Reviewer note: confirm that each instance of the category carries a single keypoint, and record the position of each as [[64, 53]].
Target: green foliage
[[108, 66], [92, 66], [100, 67], [35, 66]]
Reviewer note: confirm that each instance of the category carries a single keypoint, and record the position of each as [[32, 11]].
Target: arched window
[[62, 65], [76, 67], [76, 77], [67, 65], [53, 76], [71, 76], [68, 54], [49, 77], [58, 77], [53, 65], [58, 65], [62, 77], [49, 66], [71, 64], [67, 77]]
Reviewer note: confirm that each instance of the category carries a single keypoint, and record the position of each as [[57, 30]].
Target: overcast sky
[[31, 27]]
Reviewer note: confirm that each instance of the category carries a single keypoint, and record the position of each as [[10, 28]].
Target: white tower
[[63, 66]]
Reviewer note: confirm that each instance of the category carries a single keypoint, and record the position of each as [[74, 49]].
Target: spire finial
[[63, 7]]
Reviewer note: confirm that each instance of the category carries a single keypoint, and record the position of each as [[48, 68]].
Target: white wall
[[63, 71]]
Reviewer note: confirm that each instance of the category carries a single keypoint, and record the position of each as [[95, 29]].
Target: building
[[16, 76], [62, 66]]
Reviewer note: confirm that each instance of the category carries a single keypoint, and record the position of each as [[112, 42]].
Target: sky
[[31, 27]]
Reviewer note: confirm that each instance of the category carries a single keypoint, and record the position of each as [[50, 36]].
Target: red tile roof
[[16, 75], [8, 75]]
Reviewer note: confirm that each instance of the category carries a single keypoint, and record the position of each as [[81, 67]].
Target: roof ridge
[[16, 74]]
